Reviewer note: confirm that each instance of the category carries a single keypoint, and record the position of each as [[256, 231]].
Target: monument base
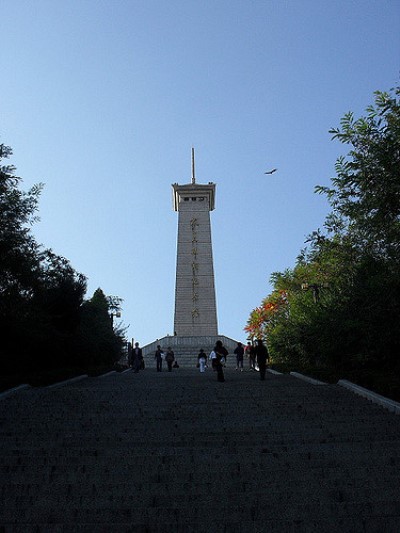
[[186, 349]]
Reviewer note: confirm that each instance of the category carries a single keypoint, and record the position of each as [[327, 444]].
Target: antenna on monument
[[193, 174]]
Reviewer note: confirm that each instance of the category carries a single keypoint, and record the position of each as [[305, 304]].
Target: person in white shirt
[[202, 360]]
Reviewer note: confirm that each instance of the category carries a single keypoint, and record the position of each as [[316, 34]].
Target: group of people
[[135, 357], [169, 358], [136, 360], [253, 353], [257, 354], [217, 357]]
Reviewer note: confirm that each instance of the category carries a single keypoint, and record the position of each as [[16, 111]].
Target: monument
[[195, 315], [195, 304]]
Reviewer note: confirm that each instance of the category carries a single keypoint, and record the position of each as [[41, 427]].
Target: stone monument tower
[[195, 316], [195, 303]]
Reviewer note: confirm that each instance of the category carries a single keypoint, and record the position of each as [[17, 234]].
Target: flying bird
[[271, 171]]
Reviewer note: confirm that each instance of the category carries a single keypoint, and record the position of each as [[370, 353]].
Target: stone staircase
[[180, 452], [186, 349]]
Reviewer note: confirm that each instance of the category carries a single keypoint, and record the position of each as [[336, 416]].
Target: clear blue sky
[[102, 101]]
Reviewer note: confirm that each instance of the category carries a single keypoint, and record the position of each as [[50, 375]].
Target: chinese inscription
[[195, 267]]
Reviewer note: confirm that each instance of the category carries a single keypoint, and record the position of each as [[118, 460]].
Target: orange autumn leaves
[[262, 318]]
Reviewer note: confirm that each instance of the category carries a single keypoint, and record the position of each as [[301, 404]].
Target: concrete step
[[209, 525], [158, 494], [227, 511]]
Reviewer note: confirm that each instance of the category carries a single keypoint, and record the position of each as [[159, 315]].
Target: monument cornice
[[200, 189]]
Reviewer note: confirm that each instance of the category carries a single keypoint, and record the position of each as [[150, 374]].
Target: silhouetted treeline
[[45, 321]]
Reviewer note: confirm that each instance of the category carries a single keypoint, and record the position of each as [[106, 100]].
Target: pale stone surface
[[195, 315], [195, 302]]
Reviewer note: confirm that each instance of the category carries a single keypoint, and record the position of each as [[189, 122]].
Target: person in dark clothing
[[137, 357], [129, 357], [158, 356], [221, 353], [262, 356], [239, 352], [170, 358], [250, 355]]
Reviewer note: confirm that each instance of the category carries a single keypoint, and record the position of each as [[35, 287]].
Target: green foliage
[[365, 194], [45, 322], [100, 341], [342, 303], [18, 249]]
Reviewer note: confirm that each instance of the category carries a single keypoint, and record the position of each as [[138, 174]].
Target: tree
[[101, 343], [342, 298], [365, 196], [19, 262], [46, 323], [363, 233]]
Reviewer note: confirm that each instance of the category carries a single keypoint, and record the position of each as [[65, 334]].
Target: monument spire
[[193, 173]]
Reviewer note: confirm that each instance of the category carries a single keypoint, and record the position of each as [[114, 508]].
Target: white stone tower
[[195, 303]]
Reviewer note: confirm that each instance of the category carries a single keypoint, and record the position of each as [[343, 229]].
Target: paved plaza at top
[[180, 452]]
